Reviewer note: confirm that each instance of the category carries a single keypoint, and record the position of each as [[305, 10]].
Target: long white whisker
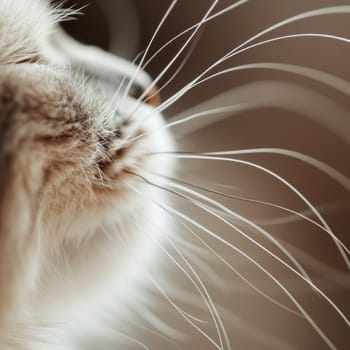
[[196, 27], [160, 75], [161, 325], [325, 207], [314, 74], [331, 172], [196, 81], [230, 266], [323, 167], [343, 249], [249, 222], [239, 217], [236, 228], [158, 334], [167, 67], [304, 15], [250, 200], [132, 339], [214, 310], [331, 273], [203, 290], [265, 94], [181, 312], [286, 291], [179, 68], [271, 342], [186, 316], [219, 13], [167, 13], [223, 110]]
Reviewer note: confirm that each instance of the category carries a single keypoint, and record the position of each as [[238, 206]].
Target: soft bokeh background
[[252, 322]]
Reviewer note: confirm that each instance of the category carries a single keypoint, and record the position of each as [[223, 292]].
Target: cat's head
[[71, 143], [68, 147]]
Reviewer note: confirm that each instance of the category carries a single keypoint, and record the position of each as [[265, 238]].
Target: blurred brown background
[[252, 322]]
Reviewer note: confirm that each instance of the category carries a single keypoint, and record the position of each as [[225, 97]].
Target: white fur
[[73, 285]]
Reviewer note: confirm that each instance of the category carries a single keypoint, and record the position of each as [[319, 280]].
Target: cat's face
[[71, 144], [68, 137], [96, 230]]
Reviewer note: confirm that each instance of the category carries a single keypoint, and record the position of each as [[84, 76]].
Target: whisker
[[232, 213], [196, 81], [165, 16], [266, 94], [217, 14], [259, 291], [178, 69], [182, 313], [223, 110], [203, 290], [309, 14], [158, 334], [304, 15], [341, 246], [289, 36], [249, 222], [250, 200], [323, 167], [214, 309], [271, 342], [161, 325], [286, 291], [161, 74], [133, 340], [339, 278], [158, 323], [325, 207], [314, 74], [167, 67], [208, 210]]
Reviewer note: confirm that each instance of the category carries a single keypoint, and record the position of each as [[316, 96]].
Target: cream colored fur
[[68, 248]]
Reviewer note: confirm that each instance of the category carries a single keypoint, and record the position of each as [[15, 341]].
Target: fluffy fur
[[64, 188], [84, 218]]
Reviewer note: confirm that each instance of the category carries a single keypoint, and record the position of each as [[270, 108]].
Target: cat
[[88, 224]]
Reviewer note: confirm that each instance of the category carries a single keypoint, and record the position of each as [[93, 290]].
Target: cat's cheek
[[157, 138]]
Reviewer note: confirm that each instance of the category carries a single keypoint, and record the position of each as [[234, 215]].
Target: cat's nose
[[153, 97], [150, 96]]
